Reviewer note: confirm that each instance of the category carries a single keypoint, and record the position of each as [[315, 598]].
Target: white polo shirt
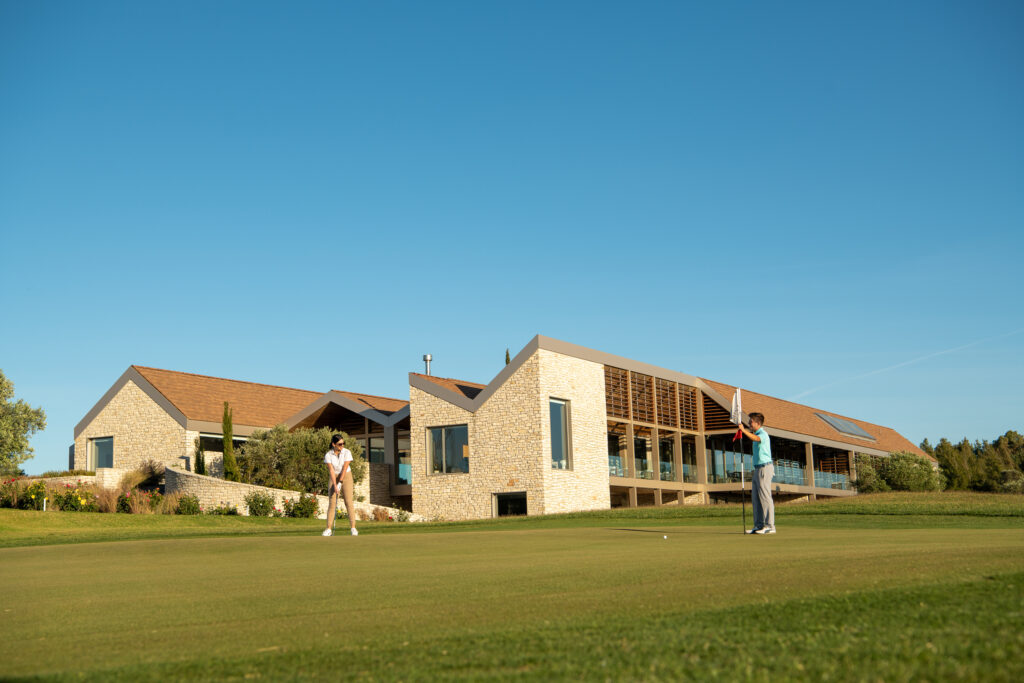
[[338, 459]]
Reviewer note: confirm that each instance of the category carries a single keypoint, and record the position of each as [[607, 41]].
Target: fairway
[[621, 601]]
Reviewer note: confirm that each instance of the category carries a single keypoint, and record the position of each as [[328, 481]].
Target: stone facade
[[141, 429], [212, 492], [510, 443]]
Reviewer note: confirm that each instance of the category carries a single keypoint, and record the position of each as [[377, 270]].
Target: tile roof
[[467, 389], [795, 417], [382, 404], [201, 397]]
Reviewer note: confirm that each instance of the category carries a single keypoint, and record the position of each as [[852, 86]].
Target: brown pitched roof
[[202, 398], [467, 389], [379, 403], [799, 418]]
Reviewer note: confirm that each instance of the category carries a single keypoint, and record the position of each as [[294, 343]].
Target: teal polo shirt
[[762, 449]]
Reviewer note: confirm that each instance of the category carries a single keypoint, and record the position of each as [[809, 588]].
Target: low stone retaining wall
[[87, 480], [212, 492]]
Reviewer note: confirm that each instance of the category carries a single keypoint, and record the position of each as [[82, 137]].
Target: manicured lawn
[[840, 595]]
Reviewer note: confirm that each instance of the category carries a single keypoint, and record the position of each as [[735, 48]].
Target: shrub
[[381, 515], [908, 472], [10, 492], [188, 505], [225, 509], [304, 506], [66, 473], [294, 460], [169, 504], [75, 499], [107, 500], [200, 458], [33, 496], [868, 480], [403, 515], [230, 464], [260, 503]]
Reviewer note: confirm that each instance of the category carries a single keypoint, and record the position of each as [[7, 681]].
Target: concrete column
[[630, 454], [677, 455], [632, 496], [657, 496], [809, 466], [702, 459]]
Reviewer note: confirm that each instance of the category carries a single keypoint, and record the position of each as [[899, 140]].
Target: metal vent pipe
[[426, 360]]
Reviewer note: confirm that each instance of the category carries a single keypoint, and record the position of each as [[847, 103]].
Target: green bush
[[188, 505], [10, 492], [294, 460], [225, 509], [908, 472], [200, 458], [261, 504], [75, 499], [66, 473], [868, 479], [304, 506], [33, 496]]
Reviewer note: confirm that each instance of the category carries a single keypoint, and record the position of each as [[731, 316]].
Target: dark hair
[[757, 416], [336, 438]]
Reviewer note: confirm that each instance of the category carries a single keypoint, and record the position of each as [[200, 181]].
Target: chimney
[[426, 360]]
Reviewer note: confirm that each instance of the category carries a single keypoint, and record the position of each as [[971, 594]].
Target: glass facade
[[643, 465], [725, 457], [616, 452], [666, 458], [214, 443], [790, 458], [102, 452], [403, 470], [689, 459], [448, 449], [559, 434], [375, 453]]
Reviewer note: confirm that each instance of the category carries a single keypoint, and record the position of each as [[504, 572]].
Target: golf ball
[[664, 536]]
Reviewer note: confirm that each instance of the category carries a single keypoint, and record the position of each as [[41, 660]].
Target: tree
[[904, 471], [294, 460], [230, 464], [200, 464], [18, 422], [508, 359]]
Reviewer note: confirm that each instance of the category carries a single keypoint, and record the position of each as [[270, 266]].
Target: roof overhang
[[348, 404]]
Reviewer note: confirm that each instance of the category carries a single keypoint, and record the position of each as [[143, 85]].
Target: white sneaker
[[355, 532], [328, 532], [763, 531], [752, 531], [771, 530]]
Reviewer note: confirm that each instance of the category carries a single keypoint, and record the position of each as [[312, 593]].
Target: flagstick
[[743, 486]]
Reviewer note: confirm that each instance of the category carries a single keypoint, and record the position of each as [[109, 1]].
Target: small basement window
[[509, 504]]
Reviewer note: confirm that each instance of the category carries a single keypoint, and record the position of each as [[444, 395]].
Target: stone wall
[[375, 487], [585, 485], [505, 454], [212, 492], [142, 431]]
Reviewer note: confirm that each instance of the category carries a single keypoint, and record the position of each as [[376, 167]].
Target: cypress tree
[[230, 464], [200, 464], [507, 358]]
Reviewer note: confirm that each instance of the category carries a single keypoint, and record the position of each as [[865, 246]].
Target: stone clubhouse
[[561, 428]]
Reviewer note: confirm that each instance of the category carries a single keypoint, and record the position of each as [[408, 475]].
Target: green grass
[[932, 589]]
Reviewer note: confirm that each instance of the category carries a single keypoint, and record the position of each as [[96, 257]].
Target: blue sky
[[792, 197]]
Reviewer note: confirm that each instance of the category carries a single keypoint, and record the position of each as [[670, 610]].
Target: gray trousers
[[761, 497]]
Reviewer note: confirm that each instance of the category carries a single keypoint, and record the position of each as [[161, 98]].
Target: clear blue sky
[[794, 197]]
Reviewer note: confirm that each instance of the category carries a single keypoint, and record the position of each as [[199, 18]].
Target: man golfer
[[764, 470], [338, 460]]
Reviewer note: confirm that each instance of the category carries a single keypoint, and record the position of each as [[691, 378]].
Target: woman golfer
[[338, 460]]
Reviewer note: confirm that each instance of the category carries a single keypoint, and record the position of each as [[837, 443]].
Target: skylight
[[845, 426]]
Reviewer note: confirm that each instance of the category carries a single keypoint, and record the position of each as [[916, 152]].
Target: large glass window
[[403, 473], [643, 465], [376, 452], [689, 459], [448, 449], [725, 457], [616, 450], [559, 434], [102, 452], [790, 460], [666, 458], [214, 443]]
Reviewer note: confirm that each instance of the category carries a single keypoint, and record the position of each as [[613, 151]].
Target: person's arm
[[334, 479], [750, 435], [344, 469]]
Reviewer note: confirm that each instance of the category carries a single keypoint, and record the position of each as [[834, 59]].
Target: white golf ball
[[664, 536]]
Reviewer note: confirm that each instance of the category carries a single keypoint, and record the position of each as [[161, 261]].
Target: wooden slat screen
[[715, 416], [687, 407], [643, 397], [616, 392], [667, 414]]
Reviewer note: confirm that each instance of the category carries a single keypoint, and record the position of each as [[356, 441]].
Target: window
[[689, 459], [403, 474], [666, 458], [376, 451], [101, 452], [725, 457], [509, 504], [214, 443], [845, 426], [448, 449], [643, 466], [616, 449], [560, 434]]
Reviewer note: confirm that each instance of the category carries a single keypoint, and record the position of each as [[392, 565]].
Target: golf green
[[619, 602]]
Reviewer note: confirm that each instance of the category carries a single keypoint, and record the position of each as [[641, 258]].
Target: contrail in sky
[[905, 363]]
